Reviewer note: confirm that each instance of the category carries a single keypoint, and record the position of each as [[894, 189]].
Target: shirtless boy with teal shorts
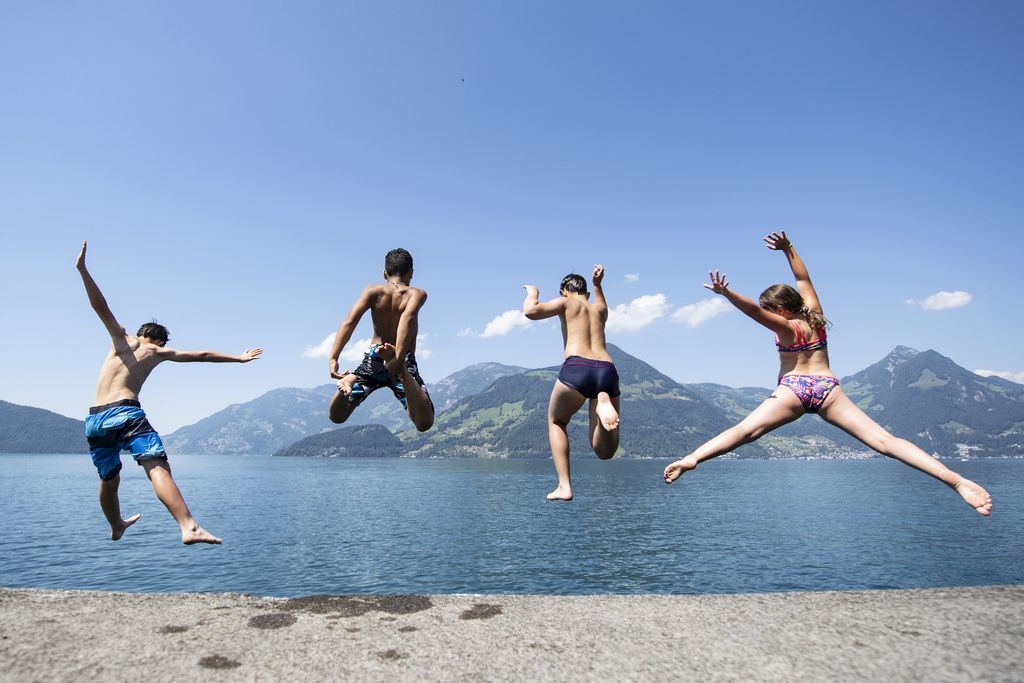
[[117, 421], [391, 359]]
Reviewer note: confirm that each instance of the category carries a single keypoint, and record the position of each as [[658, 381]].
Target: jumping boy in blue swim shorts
[[391, 359], [587, 373], [117, 421]]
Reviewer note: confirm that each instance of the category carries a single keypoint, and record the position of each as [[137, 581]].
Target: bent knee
[[606, 452], [423, 426]]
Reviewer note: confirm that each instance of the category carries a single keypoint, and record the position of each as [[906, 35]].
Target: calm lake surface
[[297, 526]]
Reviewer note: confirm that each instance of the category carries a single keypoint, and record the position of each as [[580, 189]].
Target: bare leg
[[159, 473], [604, 430], [111, 506], [417, 403], [843, 413], [778, 409], [564, 403], [607, 410]]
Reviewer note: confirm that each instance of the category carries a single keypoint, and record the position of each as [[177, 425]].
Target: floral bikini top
[[802, 343]]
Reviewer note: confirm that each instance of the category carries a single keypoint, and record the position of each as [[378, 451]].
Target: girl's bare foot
[[676, 469], [561, 493], [117, 533], [197, 534], [974, 495], [606, 412]]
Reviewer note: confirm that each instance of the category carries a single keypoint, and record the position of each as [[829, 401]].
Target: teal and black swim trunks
[[120, 426], [371, 376]]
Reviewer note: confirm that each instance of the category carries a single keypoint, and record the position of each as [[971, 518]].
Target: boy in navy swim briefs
[[391, 359], [587, 373], [117, 421]]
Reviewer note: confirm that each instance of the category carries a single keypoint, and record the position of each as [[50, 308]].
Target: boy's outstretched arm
[[534, 310], [99, 302], [207, 356], [777, 241], [773, 321], [405, 336], [599, 299], [347, 327]]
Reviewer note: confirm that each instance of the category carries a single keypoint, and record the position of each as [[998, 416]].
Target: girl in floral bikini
[[807, 385]]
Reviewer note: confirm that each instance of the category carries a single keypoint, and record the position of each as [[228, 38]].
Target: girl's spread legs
[[840, 411], [778, 409]]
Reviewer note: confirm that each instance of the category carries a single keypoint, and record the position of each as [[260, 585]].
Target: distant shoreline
[[947, 633]]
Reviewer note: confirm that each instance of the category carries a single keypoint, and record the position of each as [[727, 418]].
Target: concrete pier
[[956, 634]]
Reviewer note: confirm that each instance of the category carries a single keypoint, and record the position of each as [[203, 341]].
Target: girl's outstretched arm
[[777, 241], [773, 321]]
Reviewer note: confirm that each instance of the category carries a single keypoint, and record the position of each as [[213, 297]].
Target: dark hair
[[398, 262], [574, 284], [153, 330], [784, 296]]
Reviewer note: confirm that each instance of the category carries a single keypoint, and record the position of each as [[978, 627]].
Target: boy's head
[[154, 332], [398, 262], [574, 284]]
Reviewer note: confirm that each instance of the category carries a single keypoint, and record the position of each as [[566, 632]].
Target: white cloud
[[638, 313], [942, 300], [631, 277], [1012, 376], [468, 332], [505, 323], [696, 314], [354, 350], [321, 350], [422, 352]]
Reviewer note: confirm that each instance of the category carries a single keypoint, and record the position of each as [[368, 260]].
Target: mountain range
[[922, 396], [24, 429], [495, 410]]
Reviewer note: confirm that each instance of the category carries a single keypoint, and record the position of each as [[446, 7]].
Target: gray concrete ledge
[[955, 634]]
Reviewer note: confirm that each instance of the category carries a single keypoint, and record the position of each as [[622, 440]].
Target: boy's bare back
[[388, 302], [583, 329], [125, 369]]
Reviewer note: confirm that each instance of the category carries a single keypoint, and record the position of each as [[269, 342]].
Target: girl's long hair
[[784, 296]]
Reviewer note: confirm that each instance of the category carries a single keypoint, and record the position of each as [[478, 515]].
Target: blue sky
[[240, 169]]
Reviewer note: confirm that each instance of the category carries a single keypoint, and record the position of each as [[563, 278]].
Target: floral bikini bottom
[[812, 390]]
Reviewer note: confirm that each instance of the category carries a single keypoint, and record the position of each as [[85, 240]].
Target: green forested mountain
[[922, 396], [283, 416], [24, 429], [352, 442], [660, 418]]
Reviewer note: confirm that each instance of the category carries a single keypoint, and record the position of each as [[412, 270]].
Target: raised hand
[[718, 282], [80, 261], [777, 241], [251, 354], [531, 289], [598, 275]]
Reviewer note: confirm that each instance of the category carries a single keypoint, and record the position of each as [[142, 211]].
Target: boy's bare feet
[[561, 493], [974, 495], [117, 533], [197, 534], [347, 381], [676, 469], [606, 412]]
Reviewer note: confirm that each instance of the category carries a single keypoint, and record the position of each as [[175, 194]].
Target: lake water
[[301, 526]]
